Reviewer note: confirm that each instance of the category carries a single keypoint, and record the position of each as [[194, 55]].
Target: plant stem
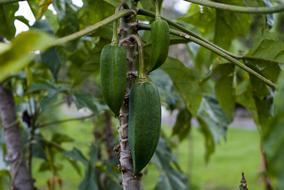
[[182, 28], [141, 71], [10, 1], [240, 9], [127, 29], [92, 28], [65, 121], [115, 39], [221, 53], [158, 13], [225, 56]]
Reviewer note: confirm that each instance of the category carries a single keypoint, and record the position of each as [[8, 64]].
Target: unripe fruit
[[144, 123], [113, 75], [160, 39]]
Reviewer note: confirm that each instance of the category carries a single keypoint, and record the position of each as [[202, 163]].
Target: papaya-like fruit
[[144, 123], [160, 38], [113, 70]]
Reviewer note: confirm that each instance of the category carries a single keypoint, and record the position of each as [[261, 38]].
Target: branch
[[225, 56], [10, 1], [240, 9], [141, 55], [219, 52], [92, 28], [183, 29], [65, 121]]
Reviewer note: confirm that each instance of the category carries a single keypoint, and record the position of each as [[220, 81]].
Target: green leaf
[[186, 83], [183, 124], [51, 18], [22, 51], [38, 148], [67, 15], [86, 100], [202, 20], [52, 61], [256, 95], [223, 74], [167, 91], [75, 166], [148, 4], [61, 138], [270, 70], [85, 59], [89, 182], [76, 154], [273, 138], [261, 93], [213, 122], [222, 27], [39, 7], [23, 20], [230, 25], [244, 97], [268, 47], [7, 18], [94, 11], [171, 177]]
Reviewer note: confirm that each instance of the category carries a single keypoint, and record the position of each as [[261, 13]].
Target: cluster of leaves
[[50, 77], [208, 90]]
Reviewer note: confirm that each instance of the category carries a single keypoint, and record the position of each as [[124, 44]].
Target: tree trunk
[[21, 178], [129, 180], [265, 177]]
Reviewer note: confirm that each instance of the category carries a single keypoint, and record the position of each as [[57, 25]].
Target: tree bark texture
[[128, 28], [265, 177], [21, 178]]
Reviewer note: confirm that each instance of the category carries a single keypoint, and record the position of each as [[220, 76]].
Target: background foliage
[[205, 90]]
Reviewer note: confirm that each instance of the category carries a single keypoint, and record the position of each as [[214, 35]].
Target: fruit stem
[[240, 9], [141, 74], [158, 11], [93, 27], [115, 39]]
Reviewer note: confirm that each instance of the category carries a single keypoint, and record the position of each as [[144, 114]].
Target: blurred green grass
[[240, 153]]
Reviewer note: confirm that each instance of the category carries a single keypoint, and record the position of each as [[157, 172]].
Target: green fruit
[[113, 75], [160, 39], [144, 123]]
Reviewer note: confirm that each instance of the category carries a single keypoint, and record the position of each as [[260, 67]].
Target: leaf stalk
[[239, 9]]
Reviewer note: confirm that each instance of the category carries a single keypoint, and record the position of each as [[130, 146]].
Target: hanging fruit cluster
[[144, 119]]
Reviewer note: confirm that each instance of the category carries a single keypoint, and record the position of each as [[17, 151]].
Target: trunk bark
[[129, 180], [21, 178], [265, 177]]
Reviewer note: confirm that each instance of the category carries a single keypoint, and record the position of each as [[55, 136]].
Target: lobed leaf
[[22, 50]]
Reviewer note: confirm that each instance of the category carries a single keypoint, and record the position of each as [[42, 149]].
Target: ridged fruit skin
[[160, 38], [113, 70], [144, 123]]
